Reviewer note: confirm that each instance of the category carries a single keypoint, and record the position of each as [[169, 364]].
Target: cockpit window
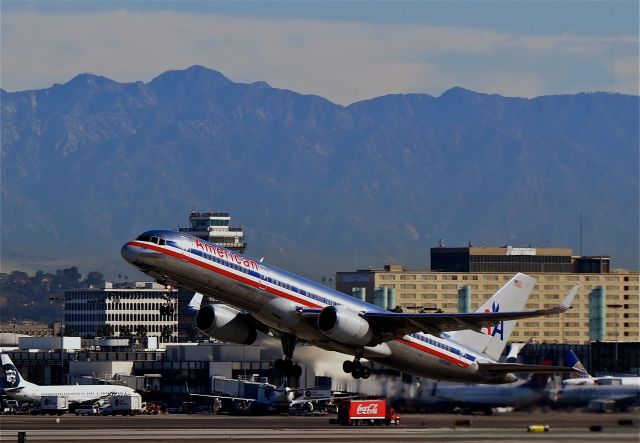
[[143, 238], [154, 240]]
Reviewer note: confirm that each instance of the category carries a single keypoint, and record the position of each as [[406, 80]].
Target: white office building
[[122, 309]]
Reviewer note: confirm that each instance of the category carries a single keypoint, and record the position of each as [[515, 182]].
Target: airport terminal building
[[607, 307]]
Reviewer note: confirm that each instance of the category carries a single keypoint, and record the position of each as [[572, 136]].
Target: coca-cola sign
[[370, 409], [367, 409]]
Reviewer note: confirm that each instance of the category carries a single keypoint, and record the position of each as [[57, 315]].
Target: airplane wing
[[394, 325], [226, 397], [506, 368]]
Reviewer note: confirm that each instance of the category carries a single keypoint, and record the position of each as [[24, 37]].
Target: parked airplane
[[583, 378], [446, 346], [18, 388], [483, 397], [622, 392], [271, 398]]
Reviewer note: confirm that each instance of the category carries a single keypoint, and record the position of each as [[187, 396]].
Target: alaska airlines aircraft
[[461, 347], [18, 388]]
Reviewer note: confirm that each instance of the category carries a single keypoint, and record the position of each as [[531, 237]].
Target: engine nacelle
[[346, 327], [225, 324]]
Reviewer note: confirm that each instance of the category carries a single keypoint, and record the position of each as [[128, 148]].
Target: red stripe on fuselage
[[225, 273], [433, 352]]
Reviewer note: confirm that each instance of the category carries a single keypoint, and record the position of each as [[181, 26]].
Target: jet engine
[[226, 324], [346, 327]]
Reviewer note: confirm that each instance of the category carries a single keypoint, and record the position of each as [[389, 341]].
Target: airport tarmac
[[512, 427]]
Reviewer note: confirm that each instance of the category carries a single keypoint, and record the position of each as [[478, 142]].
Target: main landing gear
[[356, 369], [286, 365]]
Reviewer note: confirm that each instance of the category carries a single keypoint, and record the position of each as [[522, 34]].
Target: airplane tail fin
[[512, 297], [12, 378], [571, 360]]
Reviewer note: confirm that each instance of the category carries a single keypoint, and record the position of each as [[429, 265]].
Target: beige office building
[[613, 296]]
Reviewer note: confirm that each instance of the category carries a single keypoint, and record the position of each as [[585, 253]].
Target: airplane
[[486, 397], [272, 398], [16, 387], [621, 392], [584, 378], [254, 297]]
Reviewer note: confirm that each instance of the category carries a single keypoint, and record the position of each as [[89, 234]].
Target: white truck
[[88, 409], [125, 405], [53, 404]]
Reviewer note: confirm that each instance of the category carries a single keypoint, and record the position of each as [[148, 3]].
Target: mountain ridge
[[319, 187]]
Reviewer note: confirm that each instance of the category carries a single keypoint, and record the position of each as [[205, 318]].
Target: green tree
[[93, 278], [141, 331], [166, 333], [105, 330], [126, 331]]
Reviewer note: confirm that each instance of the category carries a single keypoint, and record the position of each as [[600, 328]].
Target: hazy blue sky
[[344, 51]]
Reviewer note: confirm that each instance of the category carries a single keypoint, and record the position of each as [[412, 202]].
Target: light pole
[[62, 299], [615, 325]]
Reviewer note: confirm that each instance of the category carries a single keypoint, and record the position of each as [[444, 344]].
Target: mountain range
[[318, 187]]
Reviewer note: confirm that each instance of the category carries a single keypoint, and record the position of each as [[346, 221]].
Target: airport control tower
[[214, 227]]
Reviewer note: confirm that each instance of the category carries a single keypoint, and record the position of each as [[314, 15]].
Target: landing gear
[[356, 368], [286, 365]]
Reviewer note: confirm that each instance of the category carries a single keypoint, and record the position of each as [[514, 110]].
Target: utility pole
[[62, 299], [615, 323]]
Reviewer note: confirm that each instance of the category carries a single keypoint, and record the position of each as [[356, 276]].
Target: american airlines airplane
[[18, 388], [462, 347]]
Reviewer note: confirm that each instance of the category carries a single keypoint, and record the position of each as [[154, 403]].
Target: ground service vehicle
[[10, 407], [151, 408], [53, 404], [366, 412], [125, 405], [88, 410]]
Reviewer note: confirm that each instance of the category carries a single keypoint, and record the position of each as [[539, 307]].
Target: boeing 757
[[16, 387], [254, 297]]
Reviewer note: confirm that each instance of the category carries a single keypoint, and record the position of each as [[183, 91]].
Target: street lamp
[[62, 299], [615, 325]]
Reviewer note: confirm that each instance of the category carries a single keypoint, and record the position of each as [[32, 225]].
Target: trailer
[[53, 404], [125, 405], [366, 412]]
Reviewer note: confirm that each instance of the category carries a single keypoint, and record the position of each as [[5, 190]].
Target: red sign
[[367, 409]]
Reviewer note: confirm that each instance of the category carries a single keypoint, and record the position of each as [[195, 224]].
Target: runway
[[564, 426]]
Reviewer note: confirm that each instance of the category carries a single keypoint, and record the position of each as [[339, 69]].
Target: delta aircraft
[[19, 389], [254, 297]]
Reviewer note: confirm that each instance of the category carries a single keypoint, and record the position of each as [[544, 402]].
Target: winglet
[[565, 305], [568, 299], [196, 301]]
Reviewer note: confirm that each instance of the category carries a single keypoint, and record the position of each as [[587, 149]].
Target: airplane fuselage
[[277, 298], [74, 393]]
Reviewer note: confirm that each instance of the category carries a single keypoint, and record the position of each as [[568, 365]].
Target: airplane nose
[[129, 253]]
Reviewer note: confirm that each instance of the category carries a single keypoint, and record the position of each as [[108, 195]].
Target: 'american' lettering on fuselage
[[227, 255]]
